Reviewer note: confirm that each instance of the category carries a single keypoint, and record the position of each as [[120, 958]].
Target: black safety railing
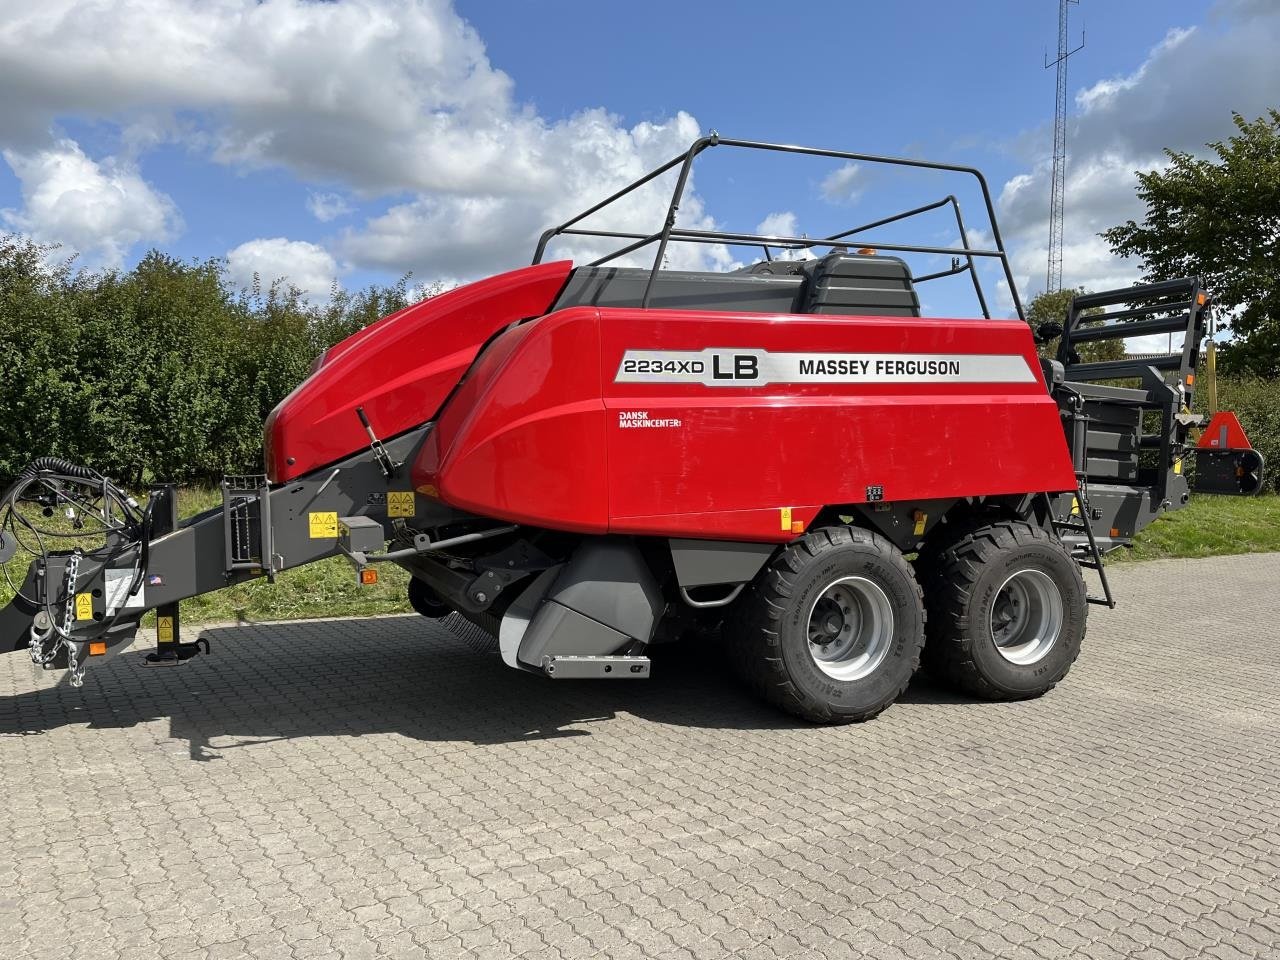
[[1174, 307], [964, 257]]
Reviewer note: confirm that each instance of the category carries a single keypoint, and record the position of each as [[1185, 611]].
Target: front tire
[[831, 631], [1007, 610]]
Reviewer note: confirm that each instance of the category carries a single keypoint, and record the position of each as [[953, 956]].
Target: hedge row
[[163, 371]]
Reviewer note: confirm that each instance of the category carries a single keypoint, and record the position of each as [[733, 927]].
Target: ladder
[[1079, 523]]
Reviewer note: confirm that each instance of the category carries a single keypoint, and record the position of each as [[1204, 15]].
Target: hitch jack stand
[[170, 650]]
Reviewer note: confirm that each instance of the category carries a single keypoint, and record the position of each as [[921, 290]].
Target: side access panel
[[745, 427], [740, 427]]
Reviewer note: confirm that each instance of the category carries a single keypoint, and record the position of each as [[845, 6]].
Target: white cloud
[[1180, 97], [589, 156], [779, 225], [1101, 95], [380, 98], [328, 206], [307, 266], [100, 210], [844, 184], [785, 224]]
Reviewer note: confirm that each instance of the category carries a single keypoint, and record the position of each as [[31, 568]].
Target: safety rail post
[[676, 196]]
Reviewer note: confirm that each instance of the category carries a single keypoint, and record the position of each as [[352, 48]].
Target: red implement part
[[1224, 433], [399, 369], [543, 432]]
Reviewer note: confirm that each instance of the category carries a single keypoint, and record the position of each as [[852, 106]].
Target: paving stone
[[385, 788]]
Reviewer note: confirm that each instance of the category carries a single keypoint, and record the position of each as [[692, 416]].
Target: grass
[[1208, 526]]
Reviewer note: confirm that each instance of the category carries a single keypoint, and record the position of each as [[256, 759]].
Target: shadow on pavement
[[401, 675]]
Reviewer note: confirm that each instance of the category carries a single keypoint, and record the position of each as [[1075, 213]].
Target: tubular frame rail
[[1171, 306], [670, 232]]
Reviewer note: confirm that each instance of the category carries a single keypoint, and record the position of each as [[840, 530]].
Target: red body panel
[[524, 438], [399, 369], [537, 433]]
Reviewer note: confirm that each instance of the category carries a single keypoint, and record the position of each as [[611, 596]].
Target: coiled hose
[[134, 530]]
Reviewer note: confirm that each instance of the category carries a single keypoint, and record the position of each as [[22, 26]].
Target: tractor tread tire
[[949, 585], [753, 627]]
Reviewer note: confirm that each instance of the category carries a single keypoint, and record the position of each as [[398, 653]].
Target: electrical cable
[[60, 479]]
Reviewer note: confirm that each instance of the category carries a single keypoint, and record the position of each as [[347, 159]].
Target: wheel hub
[[850, 628], [1026, 617]]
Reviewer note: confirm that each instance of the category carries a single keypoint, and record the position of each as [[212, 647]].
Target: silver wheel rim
[[850, 628], [1026, 618]]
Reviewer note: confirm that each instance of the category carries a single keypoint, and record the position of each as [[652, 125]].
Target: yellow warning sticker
[[922, 520], [400, 503], [786, 518], [84, 606], [164, 629], [323, 525]]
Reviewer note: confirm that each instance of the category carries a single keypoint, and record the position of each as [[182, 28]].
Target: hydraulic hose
[[52, 465], [131, 528]]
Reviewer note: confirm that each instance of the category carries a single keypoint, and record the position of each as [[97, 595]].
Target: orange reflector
[[1191, 379], [867, 251], [1115, 531], [368, 576], [797, 526], [97, 648], [1201, 298]]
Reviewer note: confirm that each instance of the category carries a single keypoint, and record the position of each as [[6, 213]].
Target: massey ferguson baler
[[589, 460]]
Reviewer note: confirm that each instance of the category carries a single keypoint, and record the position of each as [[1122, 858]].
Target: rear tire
[[1007, 610], [831, 631]]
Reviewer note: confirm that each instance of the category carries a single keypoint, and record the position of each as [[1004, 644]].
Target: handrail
[[685, 161]]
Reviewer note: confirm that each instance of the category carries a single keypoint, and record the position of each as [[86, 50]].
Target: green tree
[[38, 392], [1052, 307], [1220, 218]]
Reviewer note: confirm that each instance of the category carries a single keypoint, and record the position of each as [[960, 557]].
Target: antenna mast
[[1058, 195]]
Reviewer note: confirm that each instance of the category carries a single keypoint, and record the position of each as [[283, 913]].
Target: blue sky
[[363, 139]]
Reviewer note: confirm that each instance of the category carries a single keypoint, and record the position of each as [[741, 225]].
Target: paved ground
[[378, 788]]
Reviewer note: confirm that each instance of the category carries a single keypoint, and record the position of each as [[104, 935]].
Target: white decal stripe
[[727, 367]]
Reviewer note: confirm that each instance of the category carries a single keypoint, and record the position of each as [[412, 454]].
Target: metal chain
[[41, 649], [69, 613], [75, 670]]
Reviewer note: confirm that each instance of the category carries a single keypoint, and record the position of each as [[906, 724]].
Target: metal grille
[[242, 500]]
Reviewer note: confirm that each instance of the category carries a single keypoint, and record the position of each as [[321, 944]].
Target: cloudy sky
[[360, 140]]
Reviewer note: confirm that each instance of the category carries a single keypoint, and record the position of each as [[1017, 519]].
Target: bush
[[162, 371]]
